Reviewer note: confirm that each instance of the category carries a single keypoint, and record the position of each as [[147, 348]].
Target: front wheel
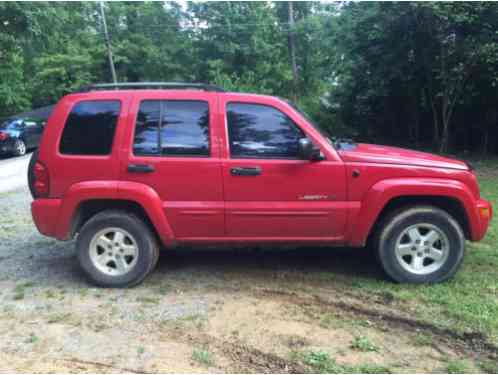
[[420, 245], [116, 249]]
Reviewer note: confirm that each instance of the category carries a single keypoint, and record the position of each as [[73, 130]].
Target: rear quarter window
[[90, 128]]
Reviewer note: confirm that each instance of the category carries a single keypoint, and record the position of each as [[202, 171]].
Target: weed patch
[[203, 357], [363, 344]]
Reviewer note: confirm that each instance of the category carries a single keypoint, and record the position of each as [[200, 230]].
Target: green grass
[[489, 366], [422, 339], [363, 344], [58, 318], [18, 296], [32, 339], [458, 367], [321, 362], [468, 302], [148, 299], [203, 357], [19, 290]]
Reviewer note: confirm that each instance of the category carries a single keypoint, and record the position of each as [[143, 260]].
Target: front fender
[[141, 194], [380, 194]]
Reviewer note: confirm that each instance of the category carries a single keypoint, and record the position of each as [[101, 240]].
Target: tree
[[465, 37]]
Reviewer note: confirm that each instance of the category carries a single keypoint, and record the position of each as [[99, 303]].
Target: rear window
[[90, 128]]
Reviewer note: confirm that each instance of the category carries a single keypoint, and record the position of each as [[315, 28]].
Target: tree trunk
[[416, 118], [108, 43], [485, 141], [435, 121], [292, 49], [443, 148]]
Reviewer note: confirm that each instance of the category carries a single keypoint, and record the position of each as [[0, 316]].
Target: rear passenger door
[[172, 150]]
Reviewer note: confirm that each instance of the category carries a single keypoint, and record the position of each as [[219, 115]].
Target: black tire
[[31, 173], [19, 142], [148, 249], [394, 225]]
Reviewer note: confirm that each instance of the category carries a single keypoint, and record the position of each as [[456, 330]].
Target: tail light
[[3, 136], [42, 180]]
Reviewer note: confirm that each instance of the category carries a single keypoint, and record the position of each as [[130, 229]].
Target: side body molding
[[378, 196], [142, 194]]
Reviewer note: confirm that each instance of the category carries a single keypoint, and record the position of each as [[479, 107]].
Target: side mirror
[[307, 150]]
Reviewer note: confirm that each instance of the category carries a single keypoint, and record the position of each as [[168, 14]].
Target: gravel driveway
[[13, 172]]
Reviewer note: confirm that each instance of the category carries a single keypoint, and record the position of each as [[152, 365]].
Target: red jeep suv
[[127, 169]]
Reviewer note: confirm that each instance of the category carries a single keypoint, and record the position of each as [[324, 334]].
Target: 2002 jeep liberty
[[130, 168]]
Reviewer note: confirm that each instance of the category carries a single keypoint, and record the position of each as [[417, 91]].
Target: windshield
[[11, 124]]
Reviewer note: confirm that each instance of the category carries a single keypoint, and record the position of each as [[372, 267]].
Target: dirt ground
[[226, 310]]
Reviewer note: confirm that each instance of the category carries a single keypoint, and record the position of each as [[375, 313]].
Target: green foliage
[[413, 73], [457, 367], [32, 339], [363, 344], [203, 357], [409, 72], [322, 362]]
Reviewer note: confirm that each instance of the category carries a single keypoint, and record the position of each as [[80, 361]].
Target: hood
[[367, 153]]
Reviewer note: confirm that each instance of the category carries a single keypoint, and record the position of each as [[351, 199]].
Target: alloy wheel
[[422, 249], [113, 251]]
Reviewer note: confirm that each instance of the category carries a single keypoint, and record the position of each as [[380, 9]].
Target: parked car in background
[[18, 135]]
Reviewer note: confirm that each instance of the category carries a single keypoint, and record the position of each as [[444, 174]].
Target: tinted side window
[[185, 128], [146, 140], [90, 128], [260, 131], [171, 128]]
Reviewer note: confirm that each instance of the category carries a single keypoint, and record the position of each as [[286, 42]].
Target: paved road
[[13, 172]]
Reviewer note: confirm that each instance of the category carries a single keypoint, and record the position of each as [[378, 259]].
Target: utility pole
[[292, 47], [108, 42]]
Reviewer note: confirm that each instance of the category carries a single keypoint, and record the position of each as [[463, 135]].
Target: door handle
[[140, 168], [245, 171]]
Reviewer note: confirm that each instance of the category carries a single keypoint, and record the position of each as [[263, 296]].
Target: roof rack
[[151, 85]]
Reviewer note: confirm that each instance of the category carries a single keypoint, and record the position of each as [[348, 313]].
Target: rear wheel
[[116, 249], [420, 245]]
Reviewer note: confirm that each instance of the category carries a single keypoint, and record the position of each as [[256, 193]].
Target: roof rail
[[151, 85]]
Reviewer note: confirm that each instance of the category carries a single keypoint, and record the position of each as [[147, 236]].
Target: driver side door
[[270, 193]]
